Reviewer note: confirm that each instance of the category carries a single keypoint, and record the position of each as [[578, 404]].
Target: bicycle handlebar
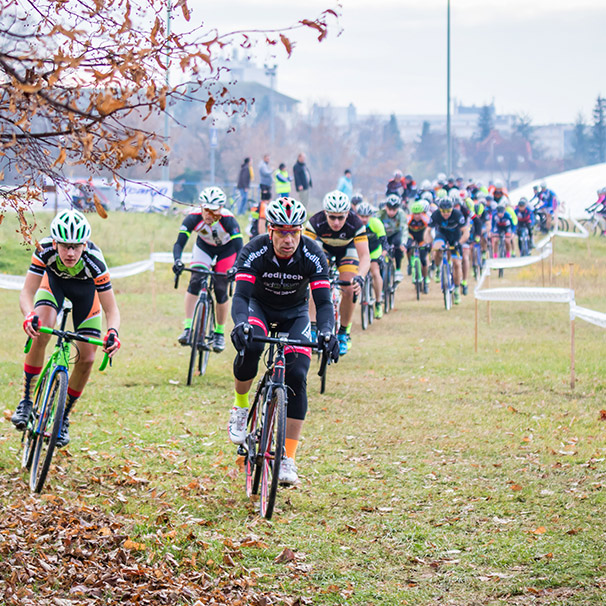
[[205, 272], [69, 336]]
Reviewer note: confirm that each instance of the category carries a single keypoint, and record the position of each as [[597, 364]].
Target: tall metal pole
[[448, 133], [166, 167]]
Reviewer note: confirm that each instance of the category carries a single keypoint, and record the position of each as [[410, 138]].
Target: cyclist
[[394, 219], [451, 229], [417, 226], [219, 241], [377, 240], [274, 275], [525, 218], [501, 224], [547, 202], [66, 265], [343, 236]]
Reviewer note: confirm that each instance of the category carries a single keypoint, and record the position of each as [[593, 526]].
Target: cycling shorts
[[86, 313], [347, 259]]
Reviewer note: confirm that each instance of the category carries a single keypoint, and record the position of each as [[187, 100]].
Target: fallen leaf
[[516, 487], [287, 555], [539, 530]]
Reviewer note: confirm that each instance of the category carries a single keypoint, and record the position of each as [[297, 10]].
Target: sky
[[542, 58]]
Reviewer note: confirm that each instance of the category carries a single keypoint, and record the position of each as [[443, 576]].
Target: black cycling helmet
[[446, 204], [500, 209]]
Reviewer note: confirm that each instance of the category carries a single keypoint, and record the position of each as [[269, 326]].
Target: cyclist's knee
[[195, 283]]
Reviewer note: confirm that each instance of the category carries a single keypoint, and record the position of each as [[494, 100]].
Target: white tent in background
[[576, 189]]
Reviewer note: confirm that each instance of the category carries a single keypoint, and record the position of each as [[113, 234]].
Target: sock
[[241, 400], [463, 282], [220, 329], [290, 446], [72, 397], [343, 330], [349, 327], [29, 374], [187, 322]]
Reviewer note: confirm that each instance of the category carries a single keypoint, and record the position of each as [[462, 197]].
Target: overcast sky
[[545, 58]]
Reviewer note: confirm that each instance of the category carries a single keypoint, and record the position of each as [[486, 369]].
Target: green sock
[[241, 400], [349, 327], [220, 329], [463, 282], [187, 322]]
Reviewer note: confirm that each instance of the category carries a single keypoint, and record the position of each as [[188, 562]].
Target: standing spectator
[[345, 184], [244, 179], [302, 179], [282, 181], [265, 178]]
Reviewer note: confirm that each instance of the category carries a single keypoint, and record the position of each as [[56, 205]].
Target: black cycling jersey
[[353, 230], [90, 267], [282, 284], [449, 227]]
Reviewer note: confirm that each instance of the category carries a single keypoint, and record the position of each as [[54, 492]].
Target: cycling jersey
[[548, 200], [524, 216], [416, 227], [281, 284], [353, 230], [448, 229], [222, 232], [502, 224], [393, 224], [375, 232], [90, 267]]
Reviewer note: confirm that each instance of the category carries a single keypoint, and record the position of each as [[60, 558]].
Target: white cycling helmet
[[285, 211], [70, 227], [212, 198], [336, 202], [365, 209]]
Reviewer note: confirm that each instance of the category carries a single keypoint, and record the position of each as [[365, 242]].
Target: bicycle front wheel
[[253, 469], [272, 450], [194, 340], [417, 275], [29, 434], [206, 335], [446, 286], [365, 303], [50, 426]]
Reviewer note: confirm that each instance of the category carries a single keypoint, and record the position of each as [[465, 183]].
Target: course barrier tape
[[589, 315], [121, 271]]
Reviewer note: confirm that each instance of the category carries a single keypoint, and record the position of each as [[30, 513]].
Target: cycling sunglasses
[[336, 217]]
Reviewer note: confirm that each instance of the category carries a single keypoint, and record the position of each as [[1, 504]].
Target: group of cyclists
[[281, 277]]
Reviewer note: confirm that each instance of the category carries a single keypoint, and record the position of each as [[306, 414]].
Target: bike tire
[[29, 433], [52, 411], [563, 224], [502, 253], [444, 279], [590, 226], [194, 354], [252, 467], [272, 450], [206, 335], [323, 380], [364, 304], [417, 275]]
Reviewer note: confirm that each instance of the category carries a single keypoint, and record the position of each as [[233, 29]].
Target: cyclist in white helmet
[[219, 239], [66, 265], [343, 236], [274, 274]]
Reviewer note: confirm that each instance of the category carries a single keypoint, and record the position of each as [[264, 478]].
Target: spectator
[[265, 178], [282, 181], [244, 179], [345, 184], [302, 179]]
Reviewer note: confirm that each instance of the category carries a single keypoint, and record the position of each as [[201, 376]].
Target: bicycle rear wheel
[[50, 426], [29, 434], [365, 303], [272, 450], [388, 287], [207, 333], [417, 275]]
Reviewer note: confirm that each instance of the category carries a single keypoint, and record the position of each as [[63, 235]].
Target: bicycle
[[446, 277], [263, 447], [389, 280], [39, 438], [202, 331], [524, 240], [595, 224], [417, 269], [367, 302], [476, 260], [502, 251]]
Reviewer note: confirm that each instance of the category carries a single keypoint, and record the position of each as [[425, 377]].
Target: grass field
[[430, 474]]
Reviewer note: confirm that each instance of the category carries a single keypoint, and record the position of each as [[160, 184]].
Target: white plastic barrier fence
[[589, 315], [121, 271]]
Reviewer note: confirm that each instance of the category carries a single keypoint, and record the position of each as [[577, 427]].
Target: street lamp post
[[270, 70], [448, 133]]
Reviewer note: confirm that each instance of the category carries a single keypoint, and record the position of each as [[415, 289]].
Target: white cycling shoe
[[288, 472], [236, 427]]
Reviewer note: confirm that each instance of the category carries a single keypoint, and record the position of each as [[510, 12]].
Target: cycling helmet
[[426, 184], [426, 195], [441, 193], [365, 209], [446, 204], [500, 209], [498, 184], [357, 198], [212, 198], [70, 227], [426, 205], [285, 211], [336, 202], [417, 208], [393, 201], [454, 195], [523, 202], [543, 185]]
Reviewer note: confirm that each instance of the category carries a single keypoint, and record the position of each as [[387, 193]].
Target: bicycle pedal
[[242, 452]]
